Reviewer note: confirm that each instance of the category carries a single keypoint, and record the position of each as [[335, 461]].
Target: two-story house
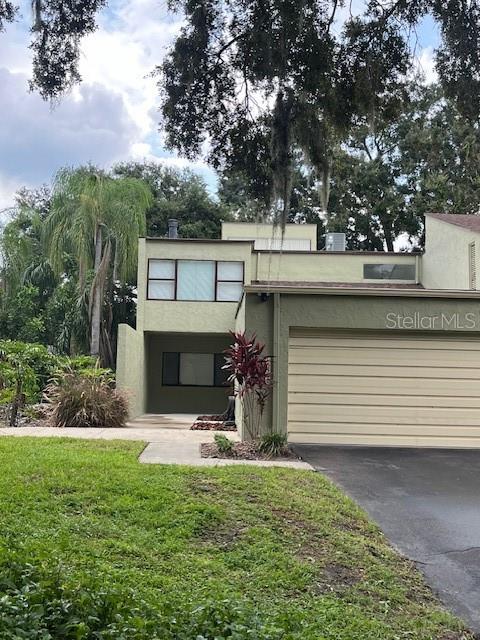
[[368, 348]]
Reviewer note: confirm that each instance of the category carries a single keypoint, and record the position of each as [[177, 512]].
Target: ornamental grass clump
[[86, 399]]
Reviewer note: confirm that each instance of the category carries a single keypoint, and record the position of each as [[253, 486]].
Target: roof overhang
[[369, 292]]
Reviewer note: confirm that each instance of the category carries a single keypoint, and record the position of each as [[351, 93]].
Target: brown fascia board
[[364, 291]]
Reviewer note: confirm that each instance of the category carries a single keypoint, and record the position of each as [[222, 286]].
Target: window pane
[[161, 290], [389, 271], [196, 369], [196, 280], [170, 372], [230, 271], [229, 291], [221, 375], [162, 269]]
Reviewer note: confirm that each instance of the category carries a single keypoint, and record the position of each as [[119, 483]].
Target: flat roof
[[399, 254], [204, 240]]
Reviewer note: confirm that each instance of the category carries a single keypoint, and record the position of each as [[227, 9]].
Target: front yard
[[236, 552]]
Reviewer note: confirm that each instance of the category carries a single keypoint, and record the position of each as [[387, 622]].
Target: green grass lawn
[[285, 544]]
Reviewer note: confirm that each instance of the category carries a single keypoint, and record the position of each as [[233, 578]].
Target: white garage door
[[384, 390]]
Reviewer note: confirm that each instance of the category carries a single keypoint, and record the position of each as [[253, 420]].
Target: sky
[[113, 114]]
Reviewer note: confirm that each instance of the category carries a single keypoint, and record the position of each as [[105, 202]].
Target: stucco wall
[[273, 319], [182, 316], [243, 230], [445, 264], [130, 373], [321, 266], [167, 399]]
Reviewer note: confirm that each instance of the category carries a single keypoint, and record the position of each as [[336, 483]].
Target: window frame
[[175, 298], [174, 280], [194, 386], [393, 265]]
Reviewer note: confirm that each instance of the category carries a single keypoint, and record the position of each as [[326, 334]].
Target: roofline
[[270, 224], [323, 252], [196, 240], [359, 291], [434, 216], [280, 251]]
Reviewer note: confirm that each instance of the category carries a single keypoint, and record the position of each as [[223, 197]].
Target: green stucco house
[[368, 348]]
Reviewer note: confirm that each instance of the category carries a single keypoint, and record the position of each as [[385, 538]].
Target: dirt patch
[[242, 451], [223, 538], [337, 577]]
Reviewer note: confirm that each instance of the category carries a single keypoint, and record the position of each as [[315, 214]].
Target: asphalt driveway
[[427, 501]]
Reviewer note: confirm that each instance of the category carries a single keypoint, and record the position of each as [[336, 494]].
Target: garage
[[384, 388]]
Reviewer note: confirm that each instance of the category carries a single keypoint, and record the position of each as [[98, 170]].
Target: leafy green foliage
[[23, 370], [86, 398], [7, 12], [224, 444], [273, 444], [57, 31], [181, 195], [24, 364], [40, 603], [263, 83], [96, 221]]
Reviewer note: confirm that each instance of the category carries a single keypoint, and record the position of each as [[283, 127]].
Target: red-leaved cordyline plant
[[251, 374]]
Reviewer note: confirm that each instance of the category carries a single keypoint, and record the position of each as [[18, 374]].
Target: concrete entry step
[[163, 421]]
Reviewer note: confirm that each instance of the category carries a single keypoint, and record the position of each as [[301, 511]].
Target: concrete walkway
[[170, 443]]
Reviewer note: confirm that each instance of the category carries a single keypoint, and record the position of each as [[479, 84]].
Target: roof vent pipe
[[173, 228]]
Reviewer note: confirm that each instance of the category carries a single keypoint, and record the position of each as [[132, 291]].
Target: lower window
[[193, 369]]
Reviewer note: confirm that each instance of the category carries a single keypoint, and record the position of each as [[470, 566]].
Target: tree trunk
[[387, 234], [96, 305]]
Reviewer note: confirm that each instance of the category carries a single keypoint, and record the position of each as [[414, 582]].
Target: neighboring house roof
[[334, 285], [467, 221]]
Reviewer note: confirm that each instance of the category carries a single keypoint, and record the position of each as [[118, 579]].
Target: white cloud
[[111, 116], [425, 63]]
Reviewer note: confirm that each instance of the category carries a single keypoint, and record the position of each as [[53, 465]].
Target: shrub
[[24, 369], [90, 400], [251, 372], [273, 444], [224, 444], [86, 366]]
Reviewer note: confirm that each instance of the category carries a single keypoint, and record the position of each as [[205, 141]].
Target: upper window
[[389, 271], [206, 280]]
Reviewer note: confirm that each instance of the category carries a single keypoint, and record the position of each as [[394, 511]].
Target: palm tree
[[98, 220]]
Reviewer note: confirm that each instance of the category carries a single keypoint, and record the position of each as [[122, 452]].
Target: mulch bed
[[242, 451], [212, 423]]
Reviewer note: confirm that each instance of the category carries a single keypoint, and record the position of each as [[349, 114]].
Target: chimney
[[173, 228]]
